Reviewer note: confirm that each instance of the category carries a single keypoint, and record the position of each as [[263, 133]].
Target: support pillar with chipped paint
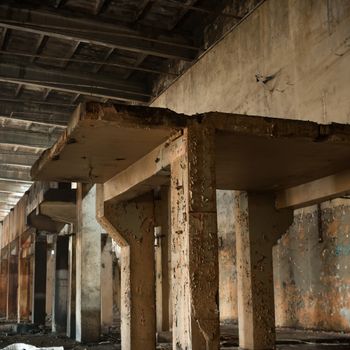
[[258, 226], [106, 282], [71, 288], [60, 302], [3, 281], [194, 250], [39, 279], [131, 224], [24, 279], [162, 258], [88, 267], [12, 281]]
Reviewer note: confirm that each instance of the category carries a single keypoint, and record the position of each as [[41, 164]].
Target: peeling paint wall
[[312, 269]]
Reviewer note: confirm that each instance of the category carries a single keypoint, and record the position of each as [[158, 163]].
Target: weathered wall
[[312, 269], [288, 59]]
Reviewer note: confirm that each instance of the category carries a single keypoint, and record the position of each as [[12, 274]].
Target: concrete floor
[[286, 339]]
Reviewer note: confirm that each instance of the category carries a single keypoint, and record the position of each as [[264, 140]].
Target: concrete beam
[[145, 174], [28, 138], [65, 25], [15, 173], [17, 159], [41, 113], [73, 82], [272, 154], [109, 126], [314, 192], [44, 223]]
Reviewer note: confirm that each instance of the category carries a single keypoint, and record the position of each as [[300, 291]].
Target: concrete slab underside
[[252, 153]]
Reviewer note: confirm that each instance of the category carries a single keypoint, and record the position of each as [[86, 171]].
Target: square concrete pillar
[[88, 267], [162, 237], [12, 280], [24, 284], [106, 282], [258, 226], [131, 224], [194, 250], [3, 281], [60, 302], [50, 274], [71, 288], [39, 279]]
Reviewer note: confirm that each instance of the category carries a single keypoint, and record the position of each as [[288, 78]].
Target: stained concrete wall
[[312, 269], [288, 59]]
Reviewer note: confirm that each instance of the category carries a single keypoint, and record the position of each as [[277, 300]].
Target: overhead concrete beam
[[145, 174], [28, 138], [15, 172], [9, 198], [74, 82], [110, 127], [314, 192], [14, 123], [13, 186], [17, 159], [44, 223], [44, 113], [65, 25]]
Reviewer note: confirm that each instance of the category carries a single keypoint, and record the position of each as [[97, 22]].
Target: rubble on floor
[[287, 339]]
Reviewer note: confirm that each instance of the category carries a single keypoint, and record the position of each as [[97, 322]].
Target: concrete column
[[60, 302], [258, 226], [71, 320], [227, 256], [162, 259], [12, 281], [24, 277], [39, 279], [88, 267], [132, 225], [23, 289], [3, 282], [106, 283], [50, 274], [116, 290], [194, 251]]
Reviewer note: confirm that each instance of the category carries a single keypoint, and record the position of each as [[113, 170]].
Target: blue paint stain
[[345, 313], [342, 250]]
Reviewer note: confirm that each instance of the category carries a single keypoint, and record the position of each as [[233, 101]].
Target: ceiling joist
[[65, 25], [73, 82]]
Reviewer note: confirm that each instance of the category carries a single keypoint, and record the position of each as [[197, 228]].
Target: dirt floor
[[287, 339]]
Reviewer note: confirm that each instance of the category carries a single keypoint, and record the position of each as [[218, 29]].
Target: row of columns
[[140, 226], [194, 272], [44, 281]]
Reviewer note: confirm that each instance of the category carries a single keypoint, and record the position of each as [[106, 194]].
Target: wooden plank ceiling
[[55, 54]]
